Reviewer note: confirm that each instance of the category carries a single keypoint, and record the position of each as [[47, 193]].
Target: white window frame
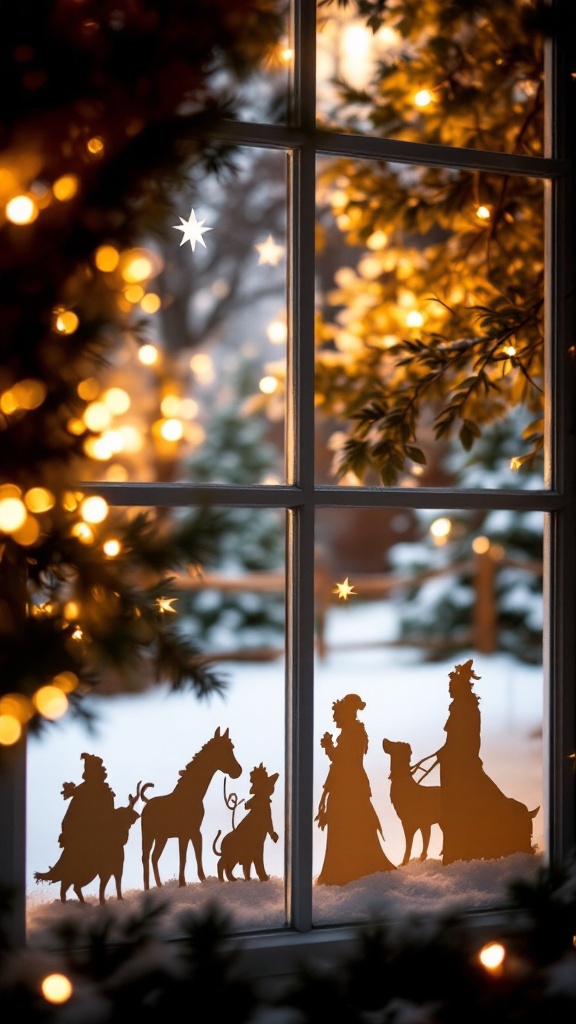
[[276, 951]]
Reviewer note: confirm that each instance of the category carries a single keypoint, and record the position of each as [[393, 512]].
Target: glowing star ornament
[[164, 604], [269, 252], [192, 230], [344, 590]]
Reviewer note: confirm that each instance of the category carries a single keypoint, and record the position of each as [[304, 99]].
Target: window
[[336, 503]]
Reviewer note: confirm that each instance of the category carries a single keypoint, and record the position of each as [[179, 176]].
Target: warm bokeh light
[[202, 366], [95, 146], [492, 956], [29, 393], [440, 529], [12, 514], [56, 988], [117, 400], [106, 258], [94, 509], [97, 416], [65, 187], [483, 213], [480, 545], [22, 210], [83, 533], [67, 322], [148, 355], [150, 303], [39, 499], [268, 385], [277, 332], [414, 318], [28, 533], [50, 702], [136, 266], [88, 389], [66, 681], [423, 98], [172, 429], [10, 729], [112, 547]]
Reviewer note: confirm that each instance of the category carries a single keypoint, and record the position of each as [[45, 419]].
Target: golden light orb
[[65, 187], [148, 355], [277, 332], [441, 528], [172, 429], [50, 702], [88, 389], [28, 533], [202, 366], [414, 318], [112, 547], [117, 400], [268, 385], [94, 509], [492, 956], [106, 258], [136, 266], [95, 146], [170, 405], [10, 729], [480, 545], [97, 416], [83, 533], [133, 293], [66, 681], [22, 210], [150, 303], [12, 514], [483, 213], [423, 98], [67, 322], [39, 499], [29, 393], [56, 988]]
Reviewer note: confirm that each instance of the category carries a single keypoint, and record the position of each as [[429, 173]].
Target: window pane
[[179, 743], [480, 622], [194, 389], [470, 77], [430, 349]]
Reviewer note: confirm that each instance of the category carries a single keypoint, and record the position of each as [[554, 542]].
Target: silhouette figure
[[179, 814], [346, 812], [244, 845], [417, 806], [478, 820], [94, 834]]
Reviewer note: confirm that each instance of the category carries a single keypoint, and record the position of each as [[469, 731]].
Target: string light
[[56, 988], [50, 702], [22, 210], [492, 956], [423, 98], [94, 509], [440, 530], [148, 355], [65, 187], [414, 319], [483, 213]]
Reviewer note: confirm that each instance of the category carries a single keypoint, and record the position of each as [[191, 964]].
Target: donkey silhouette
[[179, 814]]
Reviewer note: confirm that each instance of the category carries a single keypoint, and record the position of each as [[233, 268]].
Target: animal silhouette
[[105, 859], [417, 806], [244, 845], [179, 814]]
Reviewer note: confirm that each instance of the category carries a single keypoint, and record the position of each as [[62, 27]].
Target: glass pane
[[205, 346], [430, 346], [265, 96], [160, 760], [416, 781], [470, 75]]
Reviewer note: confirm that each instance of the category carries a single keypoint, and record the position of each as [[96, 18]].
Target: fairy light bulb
[[50, 702], [22, 210], [492, 956], [56, 988], [94, 509], [423, 98]]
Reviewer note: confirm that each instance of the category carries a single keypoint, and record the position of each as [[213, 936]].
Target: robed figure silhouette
[[346, 811], [478, 820]]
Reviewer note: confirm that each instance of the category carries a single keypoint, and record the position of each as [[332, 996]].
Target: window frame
[[275, 952]]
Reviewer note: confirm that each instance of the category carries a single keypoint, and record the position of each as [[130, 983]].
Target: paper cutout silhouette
[[417, 806], [346, 811], [179, 814], [478, 820], [94, 834], [244, 845]]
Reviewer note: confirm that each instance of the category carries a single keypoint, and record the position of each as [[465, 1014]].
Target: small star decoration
[[269, 252], [164, 604], [344, 590], [192, 230]]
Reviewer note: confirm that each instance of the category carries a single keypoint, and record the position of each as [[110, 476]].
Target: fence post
[[484, 619]]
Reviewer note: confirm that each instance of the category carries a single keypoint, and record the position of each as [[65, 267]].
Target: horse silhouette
[[179, 814]]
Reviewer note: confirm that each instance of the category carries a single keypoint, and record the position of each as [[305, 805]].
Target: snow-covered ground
[[152, 737]]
